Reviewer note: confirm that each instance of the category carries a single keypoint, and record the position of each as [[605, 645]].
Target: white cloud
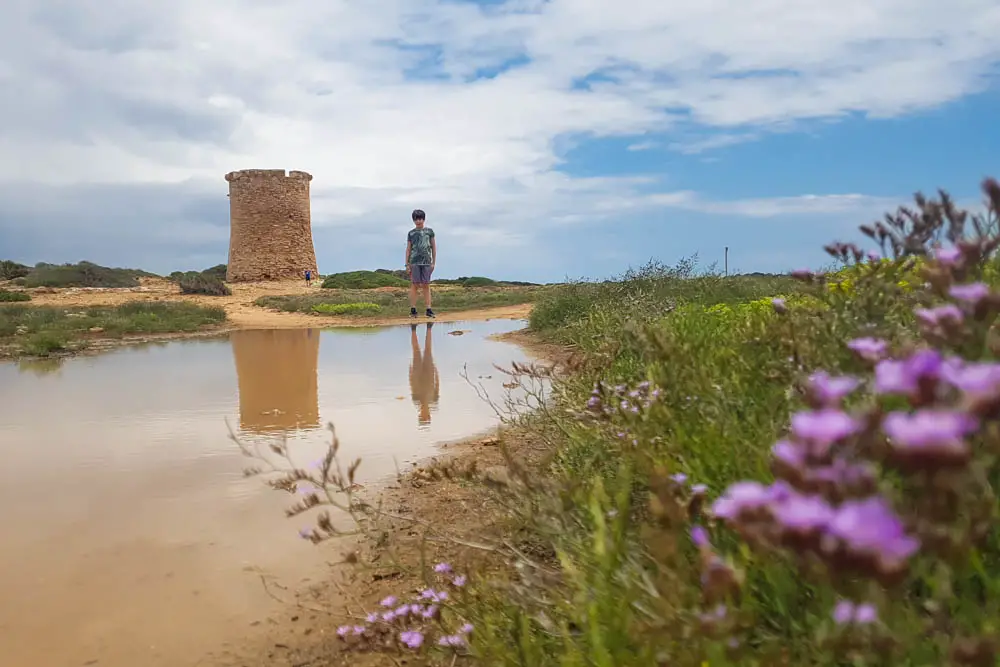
[[379, 100], [772, 207]]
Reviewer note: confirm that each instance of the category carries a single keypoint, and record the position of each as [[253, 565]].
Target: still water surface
[[129, 533]]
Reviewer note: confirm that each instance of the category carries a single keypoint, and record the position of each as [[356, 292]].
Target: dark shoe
[[413, 312], [430, 313]]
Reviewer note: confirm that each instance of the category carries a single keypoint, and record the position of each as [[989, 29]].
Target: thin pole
[[727, 260]]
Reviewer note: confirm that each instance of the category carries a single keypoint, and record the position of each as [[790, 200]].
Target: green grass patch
[[347, 308], [34, 328], [8, 296], [397, 304], [363, 280]]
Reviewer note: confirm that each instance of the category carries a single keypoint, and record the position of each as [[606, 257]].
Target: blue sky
[[545, 139]]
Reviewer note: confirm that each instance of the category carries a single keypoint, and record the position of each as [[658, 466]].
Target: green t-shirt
[[420, 246]]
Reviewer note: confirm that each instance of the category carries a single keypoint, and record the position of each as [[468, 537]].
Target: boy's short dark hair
[[418, 215]]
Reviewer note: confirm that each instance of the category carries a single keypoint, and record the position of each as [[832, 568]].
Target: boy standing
[[421, 255]]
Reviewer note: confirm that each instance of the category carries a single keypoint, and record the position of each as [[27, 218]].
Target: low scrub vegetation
[[363, 280], [8, 296], [397, 303], [31, 328], [347, 308], [82, 274], [746, 471], [10, 270], [202, 283], [217, 272]]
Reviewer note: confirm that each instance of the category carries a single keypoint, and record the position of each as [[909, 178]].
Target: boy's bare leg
[[413, 295], [427, 295]]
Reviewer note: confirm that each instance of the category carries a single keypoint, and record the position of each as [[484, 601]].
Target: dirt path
[[240, 309]]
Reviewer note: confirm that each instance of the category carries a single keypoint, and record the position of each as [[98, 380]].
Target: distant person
[[309, 277], [421, 254], [425, 383]]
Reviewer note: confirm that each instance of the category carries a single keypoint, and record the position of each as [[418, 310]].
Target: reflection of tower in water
[[278, 380]]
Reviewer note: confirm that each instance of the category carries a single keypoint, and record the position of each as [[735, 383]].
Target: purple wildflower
[[871, 349], [948, 256], [843, 612], [870, 527], [403, 610], [442, 568], [865, 613], [971, 293], [343, 630], [451, 640], [779, 305], [743, 497], [390, 601], [972, 378], [430, 612], [389, 616], [789, 453], [466, 629], [700, 536], [930, 432], [372, 617], [803, 514], [699, 489], [459, 580], [948, 313], [412, 638], [903, 376], [830, 390], [824, 427], [679, 478], [358, 630]]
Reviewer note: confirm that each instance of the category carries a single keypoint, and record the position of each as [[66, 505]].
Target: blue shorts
[[420, 274]]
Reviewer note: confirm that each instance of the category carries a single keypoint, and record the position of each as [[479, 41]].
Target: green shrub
[[10, 270], [218, 271], [10, 297], [202, 283], [43, 343], [363, 280], [346, 308]]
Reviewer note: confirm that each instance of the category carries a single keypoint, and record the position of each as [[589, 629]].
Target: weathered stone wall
[[277, 375], [270, 225]]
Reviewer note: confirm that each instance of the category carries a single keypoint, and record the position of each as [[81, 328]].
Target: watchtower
[[270, 225]]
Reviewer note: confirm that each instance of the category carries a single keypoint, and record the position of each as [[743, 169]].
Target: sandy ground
[[240, 308]]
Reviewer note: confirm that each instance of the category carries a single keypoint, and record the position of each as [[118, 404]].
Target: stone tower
[[270, 225]]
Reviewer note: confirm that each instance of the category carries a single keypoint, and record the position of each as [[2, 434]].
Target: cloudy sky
[[544, 138]]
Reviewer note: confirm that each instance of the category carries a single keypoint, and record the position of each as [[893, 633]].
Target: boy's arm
[[434, 251], [406, 262]]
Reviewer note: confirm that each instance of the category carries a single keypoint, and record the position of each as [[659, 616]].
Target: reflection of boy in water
[[425, 385]]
